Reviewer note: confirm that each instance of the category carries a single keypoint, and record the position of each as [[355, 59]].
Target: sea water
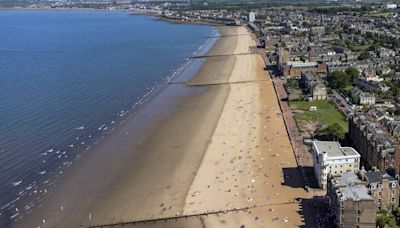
[[67, 79]]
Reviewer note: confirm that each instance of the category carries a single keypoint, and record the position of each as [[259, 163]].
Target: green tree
[[339, 79], [391, 111], [353, 73], [365, 108], [364, 56], [306, 24], [385, 218], [396, 212], [333, 132]]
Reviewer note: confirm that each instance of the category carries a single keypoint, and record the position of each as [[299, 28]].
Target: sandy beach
[[220, 147]]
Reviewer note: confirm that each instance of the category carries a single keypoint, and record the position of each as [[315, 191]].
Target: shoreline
[[72, 174], [188, 69], [210, 148]]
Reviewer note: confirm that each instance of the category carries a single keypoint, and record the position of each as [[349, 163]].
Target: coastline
[[217, 147], [18, 207], [144, 125]]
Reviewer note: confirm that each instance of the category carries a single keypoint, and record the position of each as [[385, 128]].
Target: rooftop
[[302, 64], [350, 187], [333, 149], [377, 176]]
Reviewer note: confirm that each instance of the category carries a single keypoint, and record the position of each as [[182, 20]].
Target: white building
[[332, 159], [252, 17], [366, 99], [391, 6]]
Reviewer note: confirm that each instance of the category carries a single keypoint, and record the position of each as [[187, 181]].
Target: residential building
[[252, 17], [319, 92], [377, 147], [350, 202], [363, 98], [330, 159], [313, 85], [383, 188], [294, 68], [371, 85]]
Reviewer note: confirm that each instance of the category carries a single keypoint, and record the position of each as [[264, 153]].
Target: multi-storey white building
[[252, 17], [332, 159]]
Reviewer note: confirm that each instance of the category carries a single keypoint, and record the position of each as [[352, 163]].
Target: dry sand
[[249, 153], [249, 162], [223, 147]]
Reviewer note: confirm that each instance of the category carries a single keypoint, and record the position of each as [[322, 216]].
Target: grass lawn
[[387, 14], [359, 47], [326, 113], [329, 6]]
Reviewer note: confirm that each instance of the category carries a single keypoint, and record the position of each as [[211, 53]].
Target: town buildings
[[383, 188], [294, 68], [313, 85], [378, 148], [252, 17], [350, 202], [363, 98], [330, 159]]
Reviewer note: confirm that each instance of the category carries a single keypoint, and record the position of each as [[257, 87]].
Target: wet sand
[[215, 148], [150, 160]]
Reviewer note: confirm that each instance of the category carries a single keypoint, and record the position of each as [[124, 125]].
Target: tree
[[353, 73], [365, 108], [332, 132], [306, 24], [391, 111], [364, 55], [385, 218], [339, 79]]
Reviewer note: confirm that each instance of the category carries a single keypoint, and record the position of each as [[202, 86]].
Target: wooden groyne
[[190, 215], [176, 217]]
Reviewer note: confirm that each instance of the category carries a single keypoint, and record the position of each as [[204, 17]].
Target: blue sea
[[68, 78]]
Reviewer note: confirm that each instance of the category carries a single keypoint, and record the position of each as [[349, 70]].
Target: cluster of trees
[[383, 40], [332, 132], [293, 84], [333, 9], [364, 56], [388, 219], [375, 41], [394, 89], [340, 79]]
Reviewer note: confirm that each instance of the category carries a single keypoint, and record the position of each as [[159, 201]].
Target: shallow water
[[67, 79]]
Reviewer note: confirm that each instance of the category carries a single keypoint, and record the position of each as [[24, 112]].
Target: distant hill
[[15, 3]]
